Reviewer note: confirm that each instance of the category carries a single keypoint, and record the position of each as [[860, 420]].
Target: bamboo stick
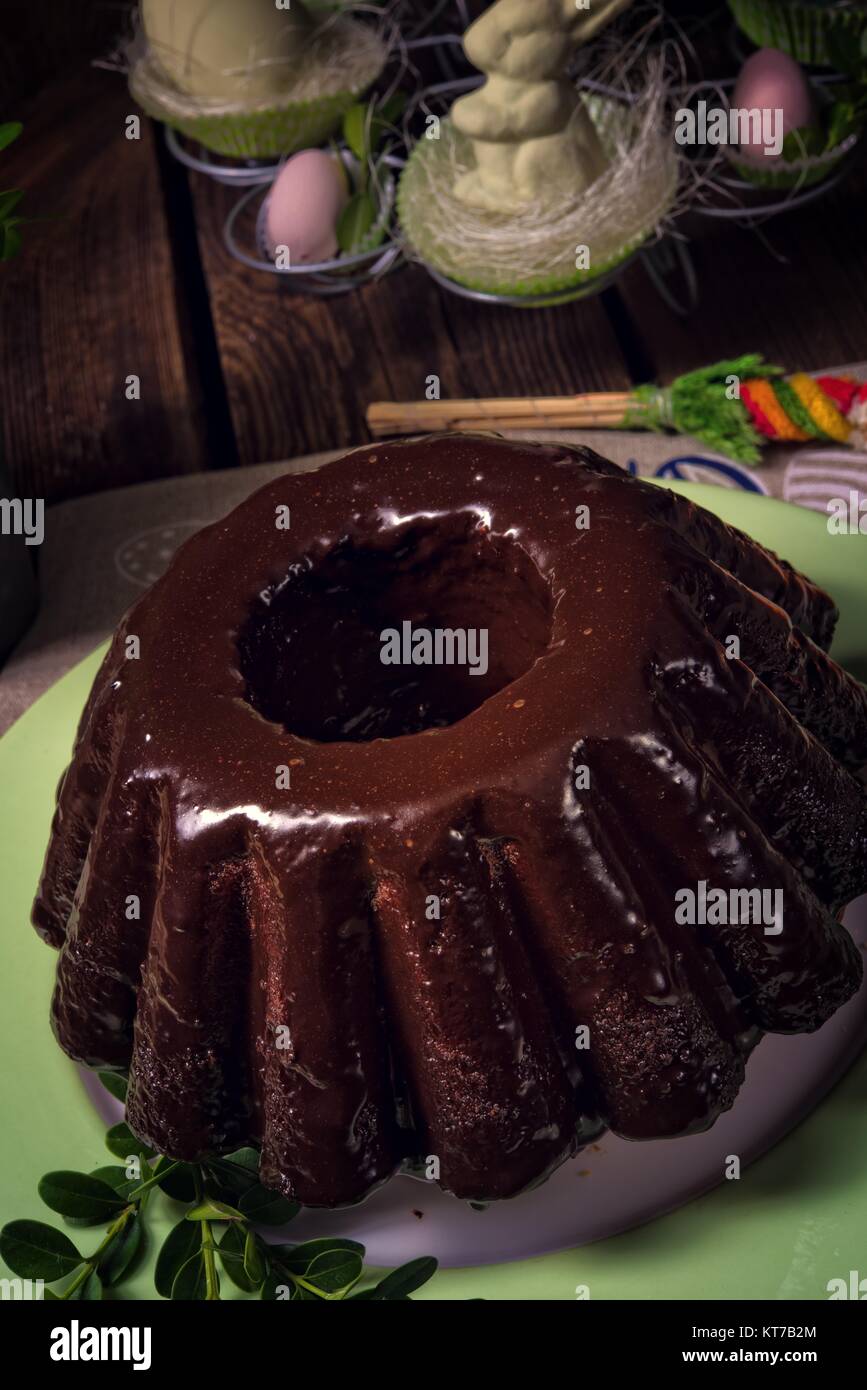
[[418, 425], [594, 410]]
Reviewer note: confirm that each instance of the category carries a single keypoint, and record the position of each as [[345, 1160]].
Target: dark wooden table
[[125, 274]]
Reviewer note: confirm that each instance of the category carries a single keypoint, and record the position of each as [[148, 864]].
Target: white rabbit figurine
[[530, 130]]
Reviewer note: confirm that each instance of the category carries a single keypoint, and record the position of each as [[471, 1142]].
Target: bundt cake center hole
[[409, 630]]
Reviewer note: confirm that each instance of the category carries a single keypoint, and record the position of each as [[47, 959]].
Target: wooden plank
[[488, 350], [92, 300], [298, 371], [410, 328], [519, 352], [301, 371], [803, 302]]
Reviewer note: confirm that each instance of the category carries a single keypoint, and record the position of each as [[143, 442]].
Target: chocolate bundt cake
[[448, 804]]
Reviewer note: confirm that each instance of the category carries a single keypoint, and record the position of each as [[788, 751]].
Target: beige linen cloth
[[100, 553]]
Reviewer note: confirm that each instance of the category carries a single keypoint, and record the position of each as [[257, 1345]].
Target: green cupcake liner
[[261, 134], [786, 176], [801, 30], [558, 290]]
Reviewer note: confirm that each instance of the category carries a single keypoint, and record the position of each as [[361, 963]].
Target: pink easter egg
[[771, 82], [303, 208]]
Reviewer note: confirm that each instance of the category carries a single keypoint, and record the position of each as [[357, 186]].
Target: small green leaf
[[210, 1210], [177, 1182], [80, 1196], [254, 1264], [355, 130], [120, 1256], [9, 131], [231, 1177], [35, 1250], [244, 1158], [231, 1249], [335, 1270], [267, 1208], [355, 221], [365, 124], [298, 1258], [384, 120], [115, 1176], [305, 1295], [115, 1083], [117, 1179], [189, 1284], [121, 1141], [406, 1279], [182, 1242], [84, 1221]]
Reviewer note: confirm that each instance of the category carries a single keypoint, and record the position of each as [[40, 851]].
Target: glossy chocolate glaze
[[284, 982]]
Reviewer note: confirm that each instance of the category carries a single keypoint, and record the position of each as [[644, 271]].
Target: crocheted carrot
[[739, 405]]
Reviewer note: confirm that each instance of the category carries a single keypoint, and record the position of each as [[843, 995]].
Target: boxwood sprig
[[225, 1204]]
